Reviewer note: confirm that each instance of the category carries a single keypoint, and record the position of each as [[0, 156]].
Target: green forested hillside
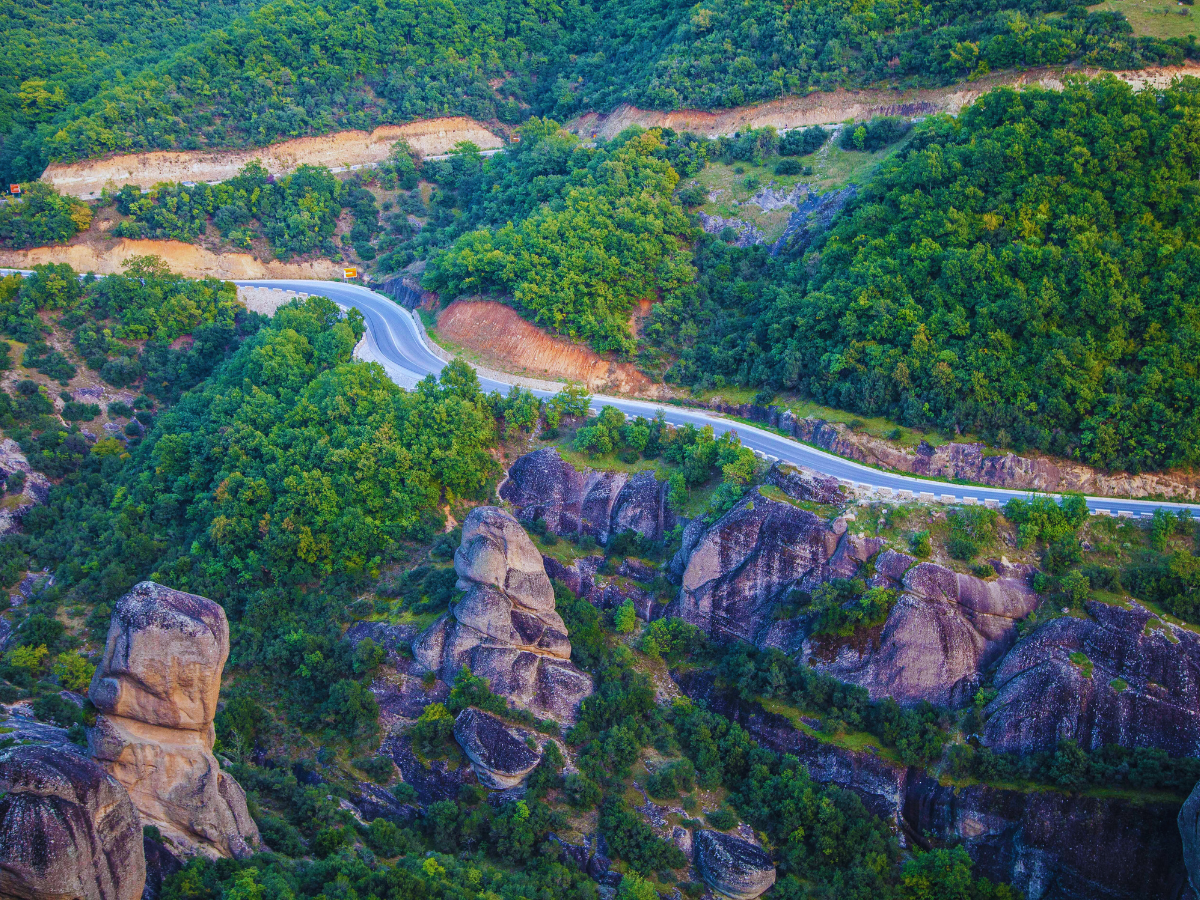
[[117, 79], [57, 55], [1025, 271], [609, 234]]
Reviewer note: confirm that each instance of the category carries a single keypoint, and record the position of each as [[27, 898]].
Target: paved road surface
[[393, 340]]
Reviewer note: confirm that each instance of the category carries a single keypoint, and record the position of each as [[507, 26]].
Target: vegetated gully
[[394, 341]]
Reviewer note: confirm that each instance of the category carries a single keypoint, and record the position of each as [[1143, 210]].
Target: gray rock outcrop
[[804, 485], [35, 492], [944, 630], [542, 485], [68, 830], [505, 628], [735, 572], [1135, 682], [747, 235], [733, 867], [812, 218], [499, 753], [1051, 845], [156, 689], [1189, 833]]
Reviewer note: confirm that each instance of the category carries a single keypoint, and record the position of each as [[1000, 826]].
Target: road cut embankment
[[835, 107], [342, 149]]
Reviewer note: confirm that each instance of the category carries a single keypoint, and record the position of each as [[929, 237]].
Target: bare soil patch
[[834, 107], [430, 137], [501, 339], [105, 257]]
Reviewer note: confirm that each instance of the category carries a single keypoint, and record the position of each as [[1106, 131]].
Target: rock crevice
[[505, 629]]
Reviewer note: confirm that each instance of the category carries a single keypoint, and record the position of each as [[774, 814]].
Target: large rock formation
[[1134, 681], [500, 755], [734, 573], [1049, 844], [1055, 846], [68, 830], [505, 629], [541, 485], [1189, 833], [944, 630], [733, 867], [800, 484], [156, 689]]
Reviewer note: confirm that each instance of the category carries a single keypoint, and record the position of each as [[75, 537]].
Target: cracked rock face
[[68, 830], [499, 754], [735, 572], [35, 492], [1135, 684], [505, 628], [945, 628], [541, 485], [731, 866], [156, 689]]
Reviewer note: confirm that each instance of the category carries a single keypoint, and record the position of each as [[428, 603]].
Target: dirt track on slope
[[185, 259], [86, 179], [820, 108]]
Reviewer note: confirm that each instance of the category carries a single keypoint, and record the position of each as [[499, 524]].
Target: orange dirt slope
[[496, 336]]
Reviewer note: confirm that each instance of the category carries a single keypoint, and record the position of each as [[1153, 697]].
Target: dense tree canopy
[[188, 75], [611, 236], [41, 215], [1023, 271]]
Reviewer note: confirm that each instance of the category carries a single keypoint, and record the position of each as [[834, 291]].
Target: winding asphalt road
[[394, 341]]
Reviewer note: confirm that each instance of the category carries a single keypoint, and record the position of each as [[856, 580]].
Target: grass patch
[[1119, 685], [729, 186], [820, 509], [855, 741], [1154, 18], [1084, 664]]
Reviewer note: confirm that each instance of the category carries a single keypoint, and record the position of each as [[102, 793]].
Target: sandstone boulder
[[163, 659], [505, 628], [68, 830], [499, 754], [541, 485], [1135, 682], [739, 569], [733, 867], [156, 689]]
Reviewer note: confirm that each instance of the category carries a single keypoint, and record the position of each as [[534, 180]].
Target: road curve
[[393, 340]]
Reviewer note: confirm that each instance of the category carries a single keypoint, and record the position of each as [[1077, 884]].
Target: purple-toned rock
[[803, 485], [1049, 844], [733, 867], [499, 753], [942, 632], [541, 485], [68, 830], [1134, 681], [741, 567]]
